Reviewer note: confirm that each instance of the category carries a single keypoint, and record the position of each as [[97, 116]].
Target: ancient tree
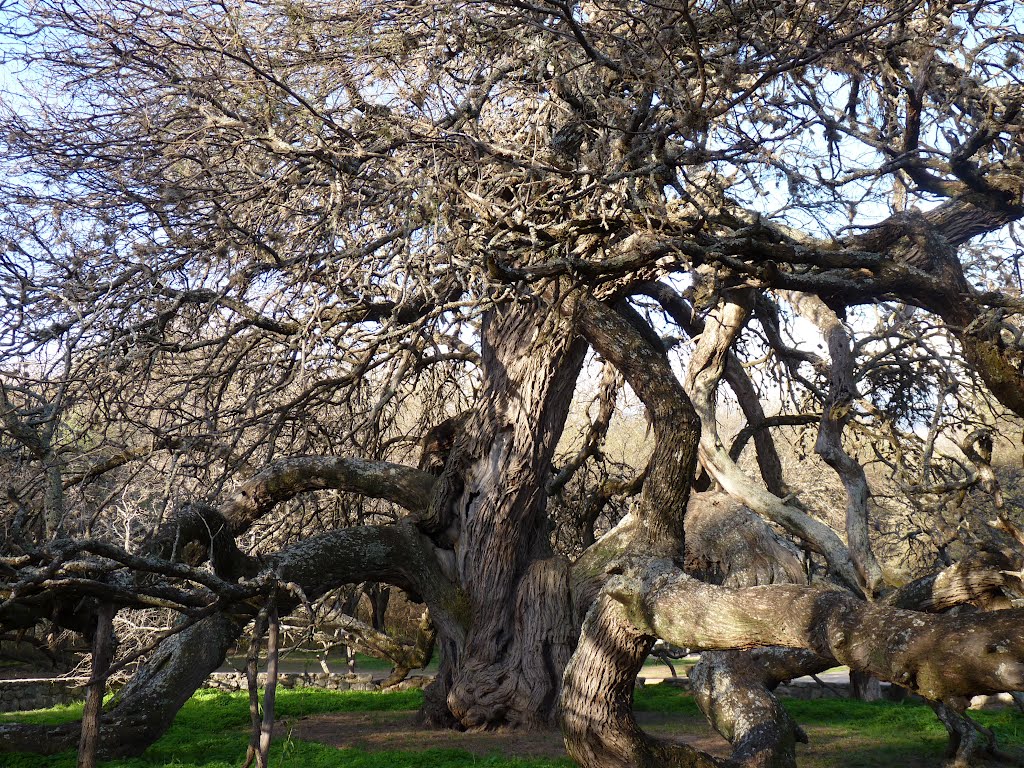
[[303, 295]]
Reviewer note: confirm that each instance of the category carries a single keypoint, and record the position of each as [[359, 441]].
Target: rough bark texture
[[509, 670], [734, 690], [102, 654], [409, 488], [597, 701], [938, 657], [655, 524], [865, 686], [596, 712], [969, 743], [979, 581], [728, 544]]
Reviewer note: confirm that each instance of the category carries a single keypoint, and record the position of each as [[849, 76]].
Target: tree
[[252, 253]]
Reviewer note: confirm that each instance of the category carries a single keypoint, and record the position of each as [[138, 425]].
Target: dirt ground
[[381, 731]]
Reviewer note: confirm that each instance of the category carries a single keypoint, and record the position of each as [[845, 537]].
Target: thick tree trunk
[[596, 714], [597, 701], [865, 686], [517, 599], [728, 544]]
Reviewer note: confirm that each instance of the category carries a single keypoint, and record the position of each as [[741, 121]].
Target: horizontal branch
[[407, 487], [936, 656]]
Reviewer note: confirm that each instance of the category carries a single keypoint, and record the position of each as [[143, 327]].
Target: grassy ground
[[211, 732]]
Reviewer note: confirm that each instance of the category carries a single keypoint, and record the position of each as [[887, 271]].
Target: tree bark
[[969, 742], [734, 689], [937, 656], [521, 628], [865, 686], [728, 544], [597, 699], [596, 712], [102, 655], [409, 488]]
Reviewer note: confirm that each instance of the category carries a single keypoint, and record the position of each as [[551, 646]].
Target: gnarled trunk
[[596, 713], [597, 702], [521, 629], [728, 544]]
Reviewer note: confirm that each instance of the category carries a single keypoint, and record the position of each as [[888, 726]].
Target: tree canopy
[[299, 295]]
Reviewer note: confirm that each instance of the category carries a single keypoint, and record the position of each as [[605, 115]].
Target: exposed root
[[970, 744]]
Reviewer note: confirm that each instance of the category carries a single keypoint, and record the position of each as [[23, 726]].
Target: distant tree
[[254, 253]]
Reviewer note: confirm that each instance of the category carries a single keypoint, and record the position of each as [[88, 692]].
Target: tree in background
[[254, 253]]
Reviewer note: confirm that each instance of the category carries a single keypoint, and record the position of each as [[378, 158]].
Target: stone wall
[[810, 690], [40, 693], [236, 681]]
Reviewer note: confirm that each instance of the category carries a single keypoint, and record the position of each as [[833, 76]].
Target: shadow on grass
[[211, 732]]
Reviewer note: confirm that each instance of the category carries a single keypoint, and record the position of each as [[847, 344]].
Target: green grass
[[867, 735], [211, 732], [54, 716]]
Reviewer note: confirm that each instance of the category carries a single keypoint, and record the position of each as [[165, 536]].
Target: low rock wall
[[810, 690], [40, 693], [237, 681]]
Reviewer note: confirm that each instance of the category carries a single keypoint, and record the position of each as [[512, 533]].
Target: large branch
[[703, 375], [146, 706], [981, 580], [731, 545], [735, 691], [829, 445], [409, 488], [746, 395], [910, 257], [675, 424], [596, 701], [936, 656]]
